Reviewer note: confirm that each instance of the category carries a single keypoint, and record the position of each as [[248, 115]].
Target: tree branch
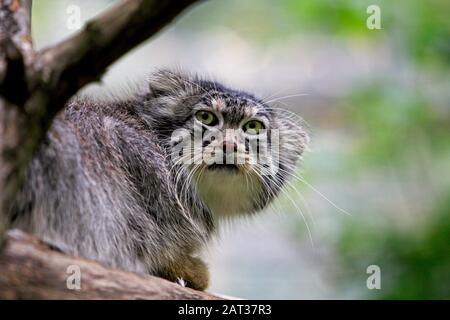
[[31, 269], [84, 57], [30, 100], [16, 55], [15, 23], [13, 84], [16, 49], [33, 89]]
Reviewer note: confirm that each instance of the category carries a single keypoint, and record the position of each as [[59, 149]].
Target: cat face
[[237, 151]]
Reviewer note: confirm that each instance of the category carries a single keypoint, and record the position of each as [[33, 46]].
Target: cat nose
[[229, 147]]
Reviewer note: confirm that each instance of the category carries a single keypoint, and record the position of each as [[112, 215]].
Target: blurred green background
[[377, 103]]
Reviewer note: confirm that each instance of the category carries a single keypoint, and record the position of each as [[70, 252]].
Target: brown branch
[[30, 269], [15, 23], [16, 53], [13, 86], [16, 49], [33, 88], [31, 98], [84, 57]]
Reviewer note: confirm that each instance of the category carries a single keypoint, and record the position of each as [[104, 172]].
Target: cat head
[[237, 151]]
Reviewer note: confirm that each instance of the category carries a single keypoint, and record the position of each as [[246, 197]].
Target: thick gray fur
[[102, 186]]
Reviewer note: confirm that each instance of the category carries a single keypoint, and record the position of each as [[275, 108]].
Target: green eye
[[206, 117], [253, 127]]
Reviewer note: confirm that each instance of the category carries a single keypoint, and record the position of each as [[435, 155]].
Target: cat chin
[[230, 168], [227, 192]]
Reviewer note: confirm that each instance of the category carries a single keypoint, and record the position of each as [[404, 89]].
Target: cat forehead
[[234, 110], [233, 105]]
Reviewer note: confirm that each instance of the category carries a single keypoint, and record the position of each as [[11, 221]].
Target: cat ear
[[170, 83]]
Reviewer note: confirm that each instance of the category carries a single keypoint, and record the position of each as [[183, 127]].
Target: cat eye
[[206, 117], [253, 127]]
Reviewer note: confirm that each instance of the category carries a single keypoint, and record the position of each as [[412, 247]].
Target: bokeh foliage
[[396, 120], [400, 122], [415, 264], [399, 125]]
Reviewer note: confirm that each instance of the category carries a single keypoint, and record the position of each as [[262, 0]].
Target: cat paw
[[181, 282]]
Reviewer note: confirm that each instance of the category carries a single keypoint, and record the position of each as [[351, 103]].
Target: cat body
[[110, 183]]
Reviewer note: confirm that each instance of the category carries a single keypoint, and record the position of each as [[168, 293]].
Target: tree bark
[[31, 269], [35, 86], [16, 55]]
